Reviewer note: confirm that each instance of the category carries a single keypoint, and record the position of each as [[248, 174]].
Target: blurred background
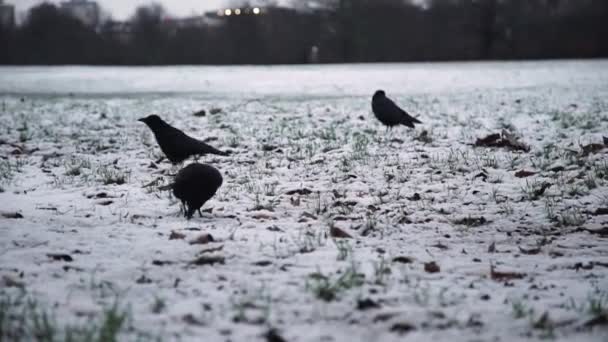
[[298, 31]]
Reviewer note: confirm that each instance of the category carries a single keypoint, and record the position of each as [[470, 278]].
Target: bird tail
[[208, 149], [214, 150], [223, 153], [409, 121]]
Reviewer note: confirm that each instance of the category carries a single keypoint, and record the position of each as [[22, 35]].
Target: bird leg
[[189, 213], [200, 213], [389, 134]]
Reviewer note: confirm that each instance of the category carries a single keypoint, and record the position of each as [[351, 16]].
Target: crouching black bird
[[175, 144], [194, 185], [389, 113]]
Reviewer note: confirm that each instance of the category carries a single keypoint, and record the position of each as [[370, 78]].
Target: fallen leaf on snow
[[558, 168], [415, 197], [440, 246], [262, 263], [431, 267], [482, 175], [588, 266], [366, 304], [531, 251], [601, 232], [60, 257], [8, 281], [269, 148], [208, 260], [472, 221], [336, 232], [402, 327], [12, 215], [161, 262], [524, 174], [383, 317], [505, 139], [190, 319], [541, 191], [487, 140], [176, 236], [592, 148], [143, 280], [302, 191], [272, 335], [211, 250], [262, 216], [68, 268], [600, 211], [598, 320], [403, 260], [501, 276], [202, 239], [200, 113], [309, 215]]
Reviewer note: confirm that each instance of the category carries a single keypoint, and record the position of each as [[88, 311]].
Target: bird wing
[[194, 146], [403, 116], [410, 118], [393, 111]]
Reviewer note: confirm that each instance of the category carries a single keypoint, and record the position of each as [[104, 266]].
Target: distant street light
[[228, 11], [256, 10], [237, 11]]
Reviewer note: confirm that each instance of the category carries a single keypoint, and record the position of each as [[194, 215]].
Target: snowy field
[[326, 228]]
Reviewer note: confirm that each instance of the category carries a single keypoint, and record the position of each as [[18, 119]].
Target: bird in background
[[194, 185], [175, 144], [389, 113]]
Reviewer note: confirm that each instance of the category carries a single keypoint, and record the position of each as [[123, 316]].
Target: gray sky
[[122, 9]]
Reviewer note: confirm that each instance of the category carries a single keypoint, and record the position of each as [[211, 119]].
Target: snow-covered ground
[[446, 241]]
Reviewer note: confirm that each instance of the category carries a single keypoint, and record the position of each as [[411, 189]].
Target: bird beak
[[142, 119]]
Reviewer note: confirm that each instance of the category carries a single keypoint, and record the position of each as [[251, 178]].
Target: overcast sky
[[122, 9]]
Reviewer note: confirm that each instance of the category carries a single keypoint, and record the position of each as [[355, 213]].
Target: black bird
[[175, 144], [194, 185], [389, 113]]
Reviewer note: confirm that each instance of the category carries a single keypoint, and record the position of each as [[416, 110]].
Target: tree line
[[341, 31]]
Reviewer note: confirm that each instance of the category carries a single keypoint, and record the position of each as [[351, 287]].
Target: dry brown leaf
[[176, 236], [202, 239], [502, 276], [524, 174], [338, 233], [431, 267]]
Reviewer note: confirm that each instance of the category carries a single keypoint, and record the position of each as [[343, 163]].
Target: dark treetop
[[340, 31]]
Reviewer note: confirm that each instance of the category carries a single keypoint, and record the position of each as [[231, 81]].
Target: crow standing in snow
[[194, 185], [175, 144], [389, 113]]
